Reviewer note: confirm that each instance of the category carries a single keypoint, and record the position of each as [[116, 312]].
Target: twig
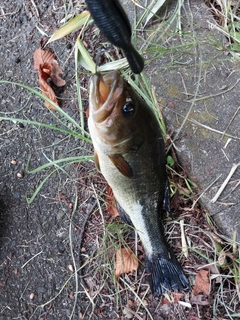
[[59, 292], [87, 215], [31, 259], [138, 298], [213, 95], [213, 130], [191, 107], [99, 208], [72, 255], [183, 238], [36, 9], [9, 13], [230, 122], [234, 167], [183, 82], [193, 205]]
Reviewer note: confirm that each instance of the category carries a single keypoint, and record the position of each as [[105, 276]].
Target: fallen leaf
[[55, 74], [47, 66], [202, 283], [47, 91], [126, 261], [40, 56], [111, 203]]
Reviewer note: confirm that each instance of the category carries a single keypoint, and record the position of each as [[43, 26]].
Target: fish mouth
[[106, 93]]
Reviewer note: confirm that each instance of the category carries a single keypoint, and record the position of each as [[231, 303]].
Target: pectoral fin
[[96, 160], [122, 165]]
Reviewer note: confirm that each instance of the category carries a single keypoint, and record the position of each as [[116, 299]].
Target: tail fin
[[165, 273]]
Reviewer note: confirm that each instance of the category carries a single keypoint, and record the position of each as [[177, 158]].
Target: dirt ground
[[41, 244], [34, 239]]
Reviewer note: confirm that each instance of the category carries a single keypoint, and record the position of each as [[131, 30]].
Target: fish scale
[[130, 153]]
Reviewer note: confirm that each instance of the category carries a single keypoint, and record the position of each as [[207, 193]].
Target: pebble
[[32, 295]]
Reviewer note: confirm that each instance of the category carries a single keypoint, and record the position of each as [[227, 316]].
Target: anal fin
[[123, 215]]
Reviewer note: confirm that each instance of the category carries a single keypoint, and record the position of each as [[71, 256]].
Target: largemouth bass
[[129, 151], [113, 22]]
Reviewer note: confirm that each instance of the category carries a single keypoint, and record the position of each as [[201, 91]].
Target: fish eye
[[128, 109]]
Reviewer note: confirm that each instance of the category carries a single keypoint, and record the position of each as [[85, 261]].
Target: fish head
[[117, 115]]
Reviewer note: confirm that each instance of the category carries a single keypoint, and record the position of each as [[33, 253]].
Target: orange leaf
[[126, 261], [55, 74], [47, 91], [202, 283], [111, 203], [47, 66], [40, 56]]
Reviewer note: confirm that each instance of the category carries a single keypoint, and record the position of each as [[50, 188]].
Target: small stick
[[234, 167], [31, 259], [35, 7], [230, 122], [183, 238], [193, 205]]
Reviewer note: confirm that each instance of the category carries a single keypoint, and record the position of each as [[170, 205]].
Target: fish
[[129, 151], [113, 22]]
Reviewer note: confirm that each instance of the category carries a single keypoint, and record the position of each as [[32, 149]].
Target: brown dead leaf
[[40, 56], [202, 283], [47, 66], [55, 74], [111, 203], [47, 91], [126, 261], [175, 297]]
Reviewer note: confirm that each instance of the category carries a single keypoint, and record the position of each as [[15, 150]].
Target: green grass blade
[[85, 59], [71, 26], [69, 160], [48, 126], [30, 200], [153, 9], [79, 96], [114, 65], [37, 93], [76, 159]]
